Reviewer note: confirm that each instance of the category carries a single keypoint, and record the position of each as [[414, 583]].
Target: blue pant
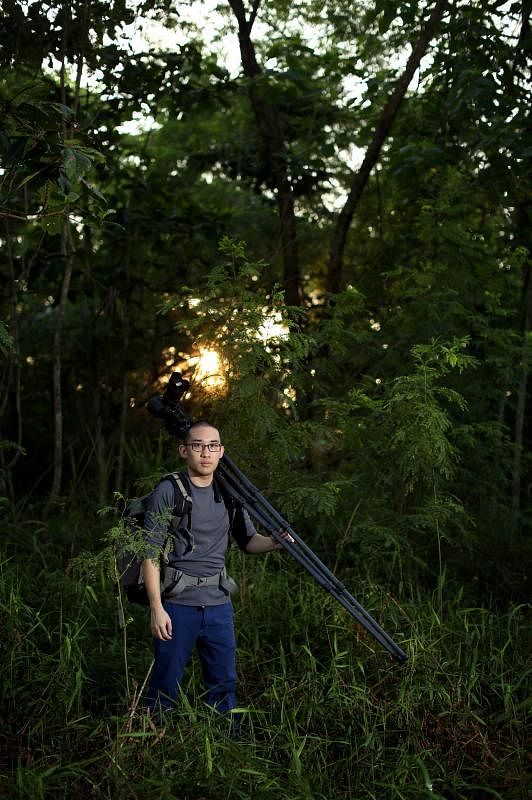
[[211, 629]]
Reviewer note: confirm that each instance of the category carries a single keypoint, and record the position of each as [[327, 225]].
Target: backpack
[[129, 560]]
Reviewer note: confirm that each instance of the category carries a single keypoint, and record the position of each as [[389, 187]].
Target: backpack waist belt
[[175, 581]]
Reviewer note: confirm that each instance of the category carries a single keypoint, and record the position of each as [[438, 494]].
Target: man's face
[[202, 461]]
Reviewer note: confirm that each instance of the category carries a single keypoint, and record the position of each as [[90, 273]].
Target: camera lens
[[175, 389]]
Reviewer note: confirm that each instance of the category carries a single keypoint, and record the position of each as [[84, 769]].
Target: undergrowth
[[326, 712]]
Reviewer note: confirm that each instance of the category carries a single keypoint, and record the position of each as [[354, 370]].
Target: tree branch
[[253, 15], [269, 123], [389, 112]]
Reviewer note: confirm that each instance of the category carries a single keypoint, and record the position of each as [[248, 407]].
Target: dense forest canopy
[[311, 153], [320, 213]]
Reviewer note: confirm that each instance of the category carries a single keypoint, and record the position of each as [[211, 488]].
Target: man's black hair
[[200, 423]]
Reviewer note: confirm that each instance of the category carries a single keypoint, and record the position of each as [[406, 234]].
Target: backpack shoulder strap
[[182, 508], [181, 487], [234, 509]]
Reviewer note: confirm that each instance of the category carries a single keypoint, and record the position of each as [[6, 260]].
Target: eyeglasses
[[199, 447]]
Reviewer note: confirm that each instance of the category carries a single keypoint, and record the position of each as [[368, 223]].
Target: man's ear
[[182, 451]]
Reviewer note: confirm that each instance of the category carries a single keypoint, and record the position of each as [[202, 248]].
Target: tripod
[[168, 408], [258, 507]]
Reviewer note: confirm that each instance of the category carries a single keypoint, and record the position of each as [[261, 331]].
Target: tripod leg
[[271, 520]]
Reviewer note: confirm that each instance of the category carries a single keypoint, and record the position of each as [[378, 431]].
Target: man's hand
[[265, 544], [161, 624], [284, 535]]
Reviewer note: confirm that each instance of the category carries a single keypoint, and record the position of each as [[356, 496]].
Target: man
[[200, 614]]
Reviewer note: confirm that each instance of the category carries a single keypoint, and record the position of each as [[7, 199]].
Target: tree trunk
[[100, 451], [389, 112], [67, 252], [269, 123], [518, 434], [520, 414], [11, 378], [124, 410]]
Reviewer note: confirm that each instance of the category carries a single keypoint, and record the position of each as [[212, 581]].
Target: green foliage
[[6, 340], [389, 444], [420, 420], [124, 539], [321, 706], [39, 154], [251, 328], [262, 348]]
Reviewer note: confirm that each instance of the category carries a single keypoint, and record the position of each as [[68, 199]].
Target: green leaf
[[75, 164], [6, 340], [52, 224], [28, 178], [94, 192]]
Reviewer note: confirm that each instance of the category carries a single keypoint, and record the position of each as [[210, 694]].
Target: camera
[[167, 406]]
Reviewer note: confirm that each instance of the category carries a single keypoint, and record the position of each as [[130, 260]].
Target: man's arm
[[252, 542], [156, 523], [160, 623], [265, 544]]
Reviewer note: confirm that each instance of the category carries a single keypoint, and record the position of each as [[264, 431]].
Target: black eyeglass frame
[[199, 447]]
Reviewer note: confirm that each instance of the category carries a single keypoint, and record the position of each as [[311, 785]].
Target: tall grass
[[326, 713]]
